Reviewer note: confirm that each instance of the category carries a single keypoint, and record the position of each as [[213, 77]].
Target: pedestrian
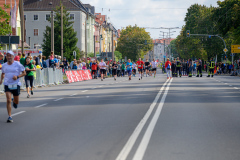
[[134, 67], [84, 65], [199, 68], [190, 67], [194, 68], [114, 70], [29, 67], [168, 68], [173, 68], [129, 69], [65, 63], [11, 72], [178, 67], [51, 60], [1, 60], [146, 66], [211, 67], [94, 69], [102, 66], [44, 64]]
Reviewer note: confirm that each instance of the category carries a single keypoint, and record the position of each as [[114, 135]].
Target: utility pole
[[52, 32], [164, 52], [22, 24], [100, 39], [86, 37], [113, 57], [62, 31], [94, 45]]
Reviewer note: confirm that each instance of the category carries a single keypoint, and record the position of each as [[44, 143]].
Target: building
[[37, 13]]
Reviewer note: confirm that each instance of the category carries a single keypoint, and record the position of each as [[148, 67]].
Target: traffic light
[[188, 33]]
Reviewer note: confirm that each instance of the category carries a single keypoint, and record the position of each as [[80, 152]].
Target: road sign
[[235, 48], [225, 50], [74, 53]]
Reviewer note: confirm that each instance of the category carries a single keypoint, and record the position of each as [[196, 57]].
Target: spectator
[[18, 57], [23, 59], [48, 62], [56, 61], [31, 60], [40, 60], [123, 69], [94, 69], [84, 65], [71, 64], [51, 60], [37, 60], [44, 64], [75, 65], [65, 63], [168, 68], [235, 68], [78, 64], [1, 60], [118, 69]]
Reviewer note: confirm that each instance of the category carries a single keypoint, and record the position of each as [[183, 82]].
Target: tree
[[132, 42], [118, 55], [90, 54], [4, 21], [69, 36]]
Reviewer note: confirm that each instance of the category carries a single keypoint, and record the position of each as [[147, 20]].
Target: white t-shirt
[[134, 66], [102, 65], [154, 64], [83, 64], [14, 69]]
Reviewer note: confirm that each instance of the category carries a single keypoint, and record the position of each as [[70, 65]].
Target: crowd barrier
[[78, 75], [44, 77]]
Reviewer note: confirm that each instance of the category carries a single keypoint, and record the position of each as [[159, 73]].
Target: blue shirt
[[55, 60], [194, 66], [129, 66]]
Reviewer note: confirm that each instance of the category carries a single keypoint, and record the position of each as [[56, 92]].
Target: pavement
[[151, 119]]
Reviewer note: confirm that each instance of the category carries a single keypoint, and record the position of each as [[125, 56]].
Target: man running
[[147, 65], [129, 69], [168, 68], [140, 67], [11, 72], [134, 68], [102, 66], [154, 67], [114, 70]]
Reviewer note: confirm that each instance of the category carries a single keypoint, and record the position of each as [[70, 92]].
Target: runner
[[123, 69], [11, 72], [94, 69], [134, 66], [154, 67], [129, 69], [29, 67], [102, 66], [114, 70], [147, 65], [140, 64]]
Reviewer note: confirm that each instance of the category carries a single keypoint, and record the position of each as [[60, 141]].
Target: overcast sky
[[147, 13]]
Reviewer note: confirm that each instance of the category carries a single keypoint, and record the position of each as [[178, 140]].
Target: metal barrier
[[44, 77]]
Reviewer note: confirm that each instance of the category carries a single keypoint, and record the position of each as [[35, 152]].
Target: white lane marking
[[100, 86], [18, 113], [58, 99], [235, 87], [73, 94], [147, 136], [41, 105], [85, 91], [132, 139]]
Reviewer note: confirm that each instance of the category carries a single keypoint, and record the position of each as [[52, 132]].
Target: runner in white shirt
[[134, 66], [11, 72], [102, 66], [154, 67]]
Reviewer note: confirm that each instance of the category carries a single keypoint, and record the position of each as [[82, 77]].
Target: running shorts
[[14, 92], [154, 69], [114, 72], [140, 70], [102, 71]]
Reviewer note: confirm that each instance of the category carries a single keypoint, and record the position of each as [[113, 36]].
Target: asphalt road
[[152, 119]]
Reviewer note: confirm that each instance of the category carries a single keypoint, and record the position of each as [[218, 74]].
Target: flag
[[13, 15]]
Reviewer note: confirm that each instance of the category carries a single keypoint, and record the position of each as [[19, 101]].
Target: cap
[[10, 52]]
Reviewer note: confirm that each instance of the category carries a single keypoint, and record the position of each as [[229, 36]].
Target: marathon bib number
[[139, 65], [12, 87]]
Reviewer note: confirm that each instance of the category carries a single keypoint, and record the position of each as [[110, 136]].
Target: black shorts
[[15, 92], [140, 70], [114, 72], [146, 68], [102, 71], [154, 69], [134, 70], [94, 71]]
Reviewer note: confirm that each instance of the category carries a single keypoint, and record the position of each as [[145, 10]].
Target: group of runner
[[131, 68]]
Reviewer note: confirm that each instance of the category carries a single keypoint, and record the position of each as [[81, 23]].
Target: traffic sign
[[235, 48], [225, 50], [74, 53]]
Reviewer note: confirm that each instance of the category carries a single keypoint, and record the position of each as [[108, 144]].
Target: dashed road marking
[[58, 99], [18, 113], [85, 91], [235, 87], [41, 105]]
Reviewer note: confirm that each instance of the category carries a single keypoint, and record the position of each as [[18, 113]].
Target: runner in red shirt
[[140, 64]]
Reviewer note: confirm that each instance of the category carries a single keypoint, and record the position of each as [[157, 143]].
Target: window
[[25, 17], [35, 17], [35, 32], [48, 17], [72, 16]]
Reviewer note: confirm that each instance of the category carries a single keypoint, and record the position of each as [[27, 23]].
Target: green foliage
[[223, 20], [4, 21], [132, 42], [69, 36], [90, 54], [117, 55]]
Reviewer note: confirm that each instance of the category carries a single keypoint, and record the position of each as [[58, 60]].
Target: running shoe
[[31, 92], [28, 96], [139, 78], [9, 120], [15, 105], [101, 79]]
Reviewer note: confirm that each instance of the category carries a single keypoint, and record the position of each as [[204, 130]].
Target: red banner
[[75, 77], [69, 76], [80, 75], [89, 74]]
